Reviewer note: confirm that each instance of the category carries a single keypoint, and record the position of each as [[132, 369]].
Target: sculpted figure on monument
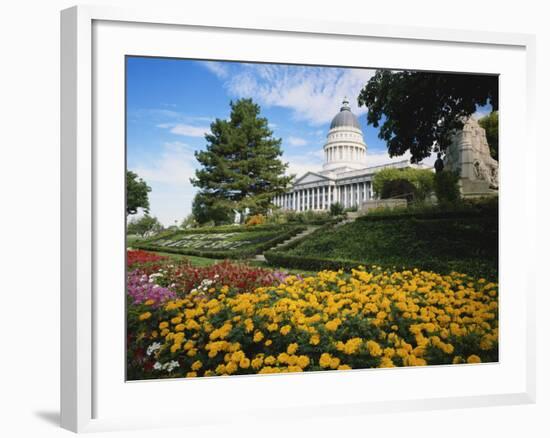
[[470, 156]]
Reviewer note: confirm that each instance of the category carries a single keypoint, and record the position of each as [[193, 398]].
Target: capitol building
[[345, 177]]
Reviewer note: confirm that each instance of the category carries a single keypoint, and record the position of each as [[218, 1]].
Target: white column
[[323, 204]]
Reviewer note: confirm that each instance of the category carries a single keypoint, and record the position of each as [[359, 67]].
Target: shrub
[[447, 190], [257, 219], [336, 209], [399, 188], [422, 179]]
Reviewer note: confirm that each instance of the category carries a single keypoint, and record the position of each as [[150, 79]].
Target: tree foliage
[[241, 166], [399, 188], [490, 124], [144, 225], [418, 111], [208, 209], [422, 180], [137, 193]]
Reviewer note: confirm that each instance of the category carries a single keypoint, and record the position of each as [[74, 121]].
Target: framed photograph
[[303, 218]]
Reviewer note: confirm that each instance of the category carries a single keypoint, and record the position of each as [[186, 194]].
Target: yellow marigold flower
[[237, 356], [386, 362], [314, 340], [268, 342], [258, 336], [163, 325], [191, 374], [192, 352], [334, 363], [344, 367], [486, 343], [248, 325], [154, 334], [244, 362], [302, 361], [175, 347], [179, 327], [272, 327], [285, 330], [231, 367], [270, 360], [324, 360], [374, 348], [292, 348], [473, 359], [149, 302], [283, 358], [176, 320], [208, 373], [333, 324], [257, 363], [197, 365], [220, 369], [458, 359], [191, 324], [145, 316]]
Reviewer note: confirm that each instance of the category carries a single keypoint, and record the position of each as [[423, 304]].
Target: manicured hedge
[[476, 268], [439, 241]]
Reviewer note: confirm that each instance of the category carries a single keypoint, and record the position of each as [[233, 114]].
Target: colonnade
[[321, 197], [344, 153]]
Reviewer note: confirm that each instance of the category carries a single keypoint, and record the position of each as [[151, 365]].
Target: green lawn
[[195, 261]]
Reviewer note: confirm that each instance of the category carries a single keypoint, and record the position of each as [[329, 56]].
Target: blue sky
[[171, 103]]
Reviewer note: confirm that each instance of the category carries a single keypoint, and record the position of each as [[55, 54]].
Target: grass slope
[[464, 244]]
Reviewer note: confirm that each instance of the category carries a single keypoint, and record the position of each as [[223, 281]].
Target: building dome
[[345, 118], [345, 147]]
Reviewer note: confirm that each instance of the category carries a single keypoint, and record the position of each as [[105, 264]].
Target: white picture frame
[[83, 182]]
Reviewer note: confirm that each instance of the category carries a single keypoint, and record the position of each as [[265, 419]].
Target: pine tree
[[241, 166]]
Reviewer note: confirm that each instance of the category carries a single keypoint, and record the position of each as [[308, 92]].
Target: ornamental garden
[[248, 284]]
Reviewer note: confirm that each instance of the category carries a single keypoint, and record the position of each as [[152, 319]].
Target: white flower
[[157, 366], [169, 366], [152, 348]]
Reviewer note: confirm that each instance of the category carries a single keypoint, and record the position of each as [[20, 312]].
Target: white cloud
[[300, 164], [313, 94], [296, 141], [168, 175], [185, 129], [218, 68]]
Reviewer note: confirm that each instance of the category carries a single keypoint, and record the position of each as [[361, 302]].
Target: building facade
[[345, 177]]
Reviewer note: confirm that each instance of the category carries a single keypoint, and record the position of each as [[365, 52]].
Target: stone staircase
[[308, 230], [350, 217]]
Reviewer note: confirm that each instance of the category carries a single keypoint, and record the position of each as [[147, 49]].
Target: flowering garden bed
[[231, 319]]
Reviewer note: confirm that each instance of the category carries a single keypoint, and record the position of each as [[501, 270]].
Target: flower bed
[[327, 322], [140, 257], [223, 244]]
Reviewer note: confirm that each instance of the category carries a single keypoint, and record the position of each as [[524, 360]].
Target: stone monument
[[469, 155]]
